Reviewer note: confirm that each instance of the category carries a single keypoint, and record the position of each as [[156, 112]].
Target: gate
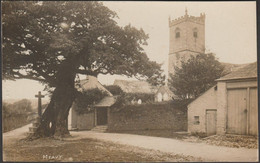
[[242, 113]]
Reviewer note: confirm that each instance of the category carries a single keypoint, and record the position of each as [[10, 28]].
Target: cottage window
[[196, 120]]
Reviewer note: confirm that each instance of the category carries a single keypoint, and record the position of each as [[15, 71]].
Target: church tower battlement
[[187, 38], [186, 17]]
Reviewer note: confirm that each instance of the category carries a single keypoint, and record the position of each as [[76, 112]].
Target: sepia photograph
[[129, 81]]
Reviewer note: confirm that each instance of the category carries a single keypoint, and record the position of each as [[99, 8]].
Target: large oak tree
[[53, 42]]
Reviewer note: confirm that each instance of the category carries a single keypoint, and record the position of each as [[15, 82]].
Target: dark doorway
[[101, 116]]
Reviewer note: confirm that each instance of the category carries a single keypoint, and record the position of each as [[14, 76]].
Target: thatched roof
[[92, 82], [136, 86], [248, 71], [106, 101]]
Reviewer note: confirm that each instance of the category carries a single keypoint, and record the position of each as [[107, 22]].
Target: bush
[[23, 105], [170, 105], [128, 99], [114, 89], [15, 115], [199, 134], [146, 98], [20, 107]]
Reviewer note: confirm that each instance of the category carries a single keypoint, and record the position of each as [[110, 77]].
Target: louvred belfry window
[[177, 33]]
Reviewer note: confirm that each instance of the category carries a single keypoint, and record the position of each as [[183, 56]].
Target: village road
[[19, 133], [202, 150], [11, 137], [173, 146]]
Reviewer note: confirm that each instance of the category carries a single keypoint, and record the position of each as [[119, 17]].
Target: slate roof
[[106, 101], [230, 67], [133, 86], [91, 82], [248, 71]]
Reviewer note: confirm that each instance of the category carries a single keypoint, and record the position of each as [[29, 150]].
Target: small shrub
[[114, 89], [199, 134], [121, 105], [86, 99], [15, 115]]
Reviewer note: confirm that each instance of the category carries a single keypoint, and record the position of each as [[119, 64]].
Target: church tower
[[187, 37]]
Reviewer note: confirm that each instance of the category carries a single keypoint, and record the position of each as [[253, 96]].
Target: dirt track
[[198, 150], [166, 145]]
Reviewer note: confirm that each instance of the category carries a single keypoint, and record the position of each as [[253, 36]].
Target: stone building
[[187, 37], [229, 107], [98, 116]]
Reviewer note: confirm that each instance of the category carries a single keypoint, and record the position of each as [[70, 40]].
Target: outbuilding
[[95, 116], [230, 107]]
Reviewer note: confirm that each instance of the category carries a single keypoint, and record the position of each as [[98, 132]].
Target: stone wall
[[149, 117], [83, 121]]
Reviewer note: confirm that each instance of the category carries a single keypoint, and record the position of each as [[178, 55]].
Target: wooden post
[[39, 96]]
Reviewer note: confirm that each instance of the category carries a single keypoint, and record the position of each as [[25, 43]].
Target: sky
[[230, 29]]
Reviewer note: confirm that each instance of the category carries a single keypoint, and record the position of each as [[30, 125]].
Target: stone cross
[[39, 96]]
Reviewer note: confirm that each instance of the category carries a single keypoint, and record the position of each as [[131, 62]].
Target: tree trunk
[[54, 119]]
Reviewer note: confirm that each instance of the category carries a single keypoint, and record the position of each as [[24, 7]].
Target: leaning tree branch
[[31, 77], [87, 72], [46, 76]]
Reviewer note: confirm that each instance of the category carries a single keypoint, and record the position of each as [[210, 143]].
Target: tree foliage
[[53, 42], [115, 90], [20, 107], [86, 99], [40, 38], [15, 115], [195, 76]]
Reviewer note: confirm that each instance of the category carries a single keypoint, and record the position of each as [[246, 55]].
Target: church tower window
[[177, 33], [195, 32]]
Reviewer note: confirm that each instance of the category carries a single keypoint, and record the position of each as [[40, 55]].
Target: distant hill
[[34, 102]]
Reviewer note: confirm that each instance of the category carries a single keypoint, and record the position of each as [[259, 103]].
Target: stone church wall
[[148, 117], [175, 59]]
